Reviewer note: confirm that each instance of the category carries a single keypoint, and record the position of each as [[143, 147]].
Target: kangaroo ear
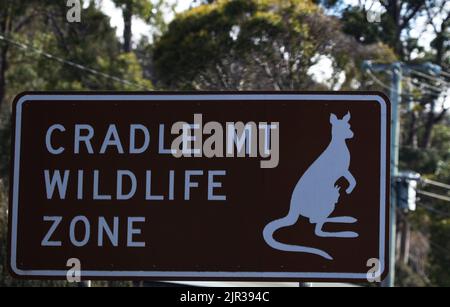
[[333, 118], [347, 117]]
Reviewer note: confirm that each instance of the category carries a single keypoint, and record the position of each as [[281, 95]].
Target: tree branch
[[25, 21], [441, 116], [408, 17]]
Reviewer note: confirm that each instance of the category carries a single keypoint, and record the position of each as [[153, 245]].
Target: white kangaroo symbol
[[316, 194]]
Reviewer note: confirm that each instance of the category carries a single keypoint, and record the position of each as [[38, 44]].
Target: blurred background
[[400, 47]]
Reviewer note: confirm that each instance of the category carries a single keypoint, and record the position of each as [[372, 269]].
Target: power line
[[408, 96], [436, 90], [434, 195], [436, 183], [377, 80], [445, 74], [431, 90], [429, 77], [385, 86], [68, 62]]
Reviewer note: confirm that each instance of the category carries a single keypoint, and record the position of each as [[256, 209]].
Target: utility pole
[[406, 198], [395, 97], [397, 70]]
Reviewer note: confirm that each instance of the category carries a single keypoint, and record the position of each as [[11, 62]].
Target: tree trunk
[[127, 30], [411, 140], [428, 129], [393, 10], [433, 118], [441, 40], [3, 67], [3, 53]]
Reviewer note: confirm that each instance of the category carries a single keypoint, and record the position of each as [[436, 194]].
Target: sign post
[[201, 186]]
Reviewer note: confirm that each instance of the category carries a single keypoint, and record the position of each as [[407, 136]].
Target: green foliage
[[440, 257], [254, 44], [425, 138], [357, 25], [440, 226], [406, 277], [397, 20], [91, 43], [150, 11], [434, 160], [434, 218], [140, 8]]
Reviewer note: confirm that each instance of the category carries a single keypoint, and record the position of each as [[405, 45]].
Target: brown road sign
[[200, 186]]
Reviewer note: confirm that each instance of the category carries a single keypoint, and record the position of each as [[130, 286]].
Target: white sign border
[[26, 98]]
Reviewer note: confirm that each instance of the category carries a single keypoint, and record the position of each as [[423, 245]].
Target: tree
[[43, 23], [440, 55], [440, 225], [432, 219], [92, 43], [131, 8], [256, 45], [401, 14], [398, 19], [14, 16], [73, 51], [423, 112]]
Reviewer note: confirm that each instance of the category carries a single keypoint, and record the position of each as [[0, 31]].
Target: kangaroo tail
[[270, 229]]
